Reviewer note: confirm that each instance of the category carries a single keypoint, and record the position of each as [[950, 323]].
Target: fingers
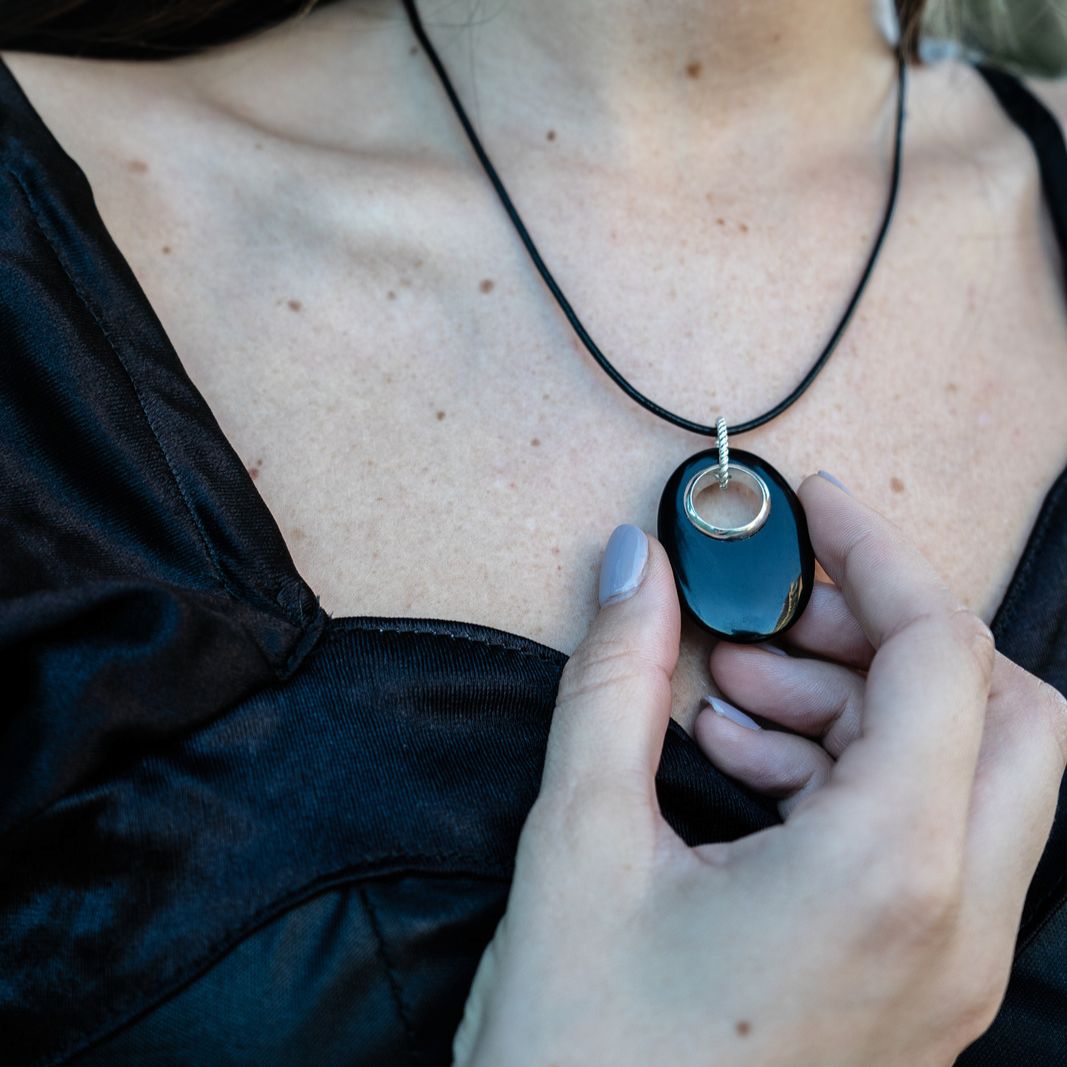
[[828, 628], [925, 700], [1017, 783], [821, 700], [771, 762], [614, 696]]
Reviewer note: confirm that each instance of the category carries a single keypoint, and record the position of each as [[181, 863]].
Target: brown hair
[[144, 29]]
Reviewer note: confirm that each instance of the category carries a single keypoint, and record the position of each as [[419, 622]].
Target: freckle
[[137, 166], [259, 146], [550, 136], [418, 263], [165, 250], [253, 472], [693, 69], [294, 305], [486, 285], [413, 51], [535, 441], [390, 295], [555, 550], [298, 534], [405, 282], [559, 568], [743, 227], [545, 396], [896, 484], [720, 222], [512, 485], [614, 235], [951, 387], [743, 1027], [375, 554], [440, 415]]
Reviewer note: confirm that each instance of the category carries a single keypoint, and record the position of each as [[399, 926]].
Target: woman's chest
[[433, 440]]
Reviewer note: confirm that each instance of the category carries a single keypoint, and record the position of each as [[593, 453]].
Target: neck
[[640, 65], [645, 85]]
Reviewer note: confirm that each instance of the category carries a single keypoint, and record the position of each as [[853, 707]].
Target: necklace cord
[[572, 317]]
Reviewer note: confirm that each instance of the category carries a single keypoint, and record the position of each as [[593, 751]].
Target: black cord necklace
[[741, 582]]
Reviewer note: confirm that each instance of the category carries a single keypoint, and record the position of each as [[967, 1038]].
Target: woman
[[262, 799]]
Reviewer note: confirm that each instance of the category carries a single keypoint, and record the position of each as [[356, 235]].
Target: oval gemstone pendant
[[742, 583]]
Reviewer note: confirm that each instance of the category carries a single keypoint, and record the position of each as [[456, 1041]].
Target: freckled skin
[[594, 417], [896, 484], [692, 70], [440, 415], [743, 1027], [166, 250], [295, 305], [137, 166], [550, 136], [486, 285], [535, 441]]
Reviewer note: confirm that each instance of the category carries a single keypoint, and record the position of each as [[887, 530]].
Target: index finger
[[928, 683]]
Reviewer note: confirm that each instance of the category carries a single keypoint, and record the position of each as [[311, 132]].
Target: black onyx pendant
[[743, 583]]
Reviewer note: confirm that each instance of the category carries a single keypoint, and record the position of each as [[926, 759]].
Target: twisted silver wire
[[724, 452]]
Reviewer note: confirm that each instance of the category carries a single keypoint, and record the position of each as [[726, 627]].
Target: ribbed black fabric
[[232, 829]]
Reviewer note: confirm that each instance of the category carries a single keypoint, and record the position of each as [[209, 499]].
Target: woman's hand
[[876, 925]]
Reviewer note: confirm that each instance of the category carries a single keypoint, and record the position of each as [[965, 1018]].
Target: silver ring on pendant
[[727, 533]]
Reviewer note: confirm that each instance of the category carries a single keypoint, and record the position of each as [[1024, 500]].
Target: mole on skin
[[486, 285], [294, 305], [137, 166], [693, 69], [535, 441], [440, 415], [550, 136], [896, 484], [165, 250], [743, 1027]]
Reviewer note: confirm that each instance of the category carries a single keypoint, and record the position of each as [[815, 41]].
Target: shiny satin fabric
[[234, 830]]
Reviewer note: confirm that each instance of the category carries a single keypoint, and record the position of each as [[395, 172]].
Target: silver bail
[[724, 453]]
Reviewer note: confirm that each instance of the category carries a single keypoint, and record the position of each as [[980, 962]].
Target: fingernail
[[728, 711], [774, 648], [623, 565], [835, 481]]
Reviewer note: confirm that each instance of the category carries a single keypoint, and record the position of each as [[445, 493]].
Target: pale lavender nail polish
[[767, 647], [835, 481], [728, 711], [623, 564]]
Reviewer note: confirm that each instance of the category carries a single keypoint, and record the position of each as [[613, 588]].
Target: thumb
[[614, 697]]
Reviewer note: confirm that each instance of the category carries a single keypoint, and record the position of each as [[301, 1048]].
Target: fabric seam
[[387, 866], [335, 633], [98, 320], [390, 972]]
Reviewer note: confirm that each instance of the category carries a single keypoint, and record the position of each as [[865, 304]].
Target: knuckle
[[979, 993], [1054, 706], [977, 638], [917, 900], [609, 663]]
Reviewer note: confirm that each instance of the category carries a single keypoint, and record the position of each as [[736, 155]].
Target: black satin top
[[234, 830]]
